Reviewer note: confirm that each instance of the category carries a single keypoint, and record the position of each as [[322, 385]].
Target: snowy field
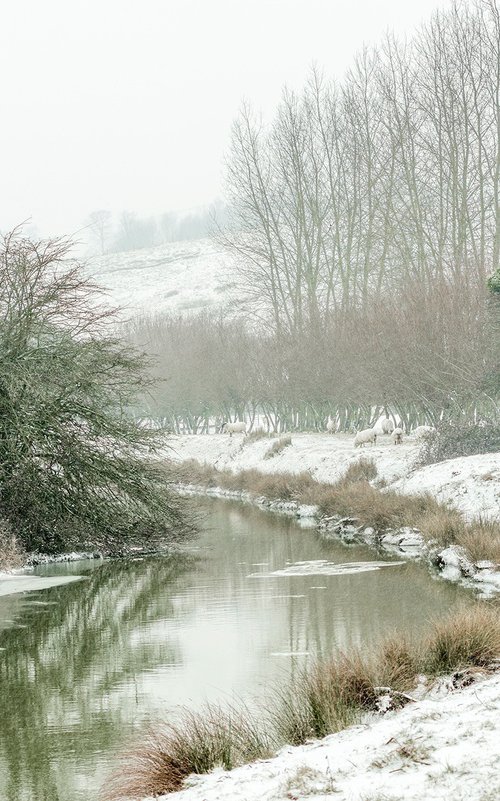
[[430, 751], [177, 277], [471, 484]]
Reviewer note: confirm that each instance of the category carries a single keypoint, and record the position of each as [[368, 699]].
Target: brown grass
[[469, 637], [197, 743], [285, 486], [255, 435], [362, 470], [442, 524], [399, 660], [324, 699], [481, 539]]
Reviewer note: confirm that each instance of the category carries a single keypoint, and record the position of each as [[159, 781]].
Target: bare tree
[[100, 225]]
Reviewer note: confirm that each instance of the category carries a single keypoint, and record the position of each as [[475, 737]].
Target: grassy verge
[[328, 697], [354, 496]]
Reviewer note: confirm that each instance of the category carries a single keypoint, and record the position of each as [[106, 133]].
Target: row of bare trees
[[365, 224], [360, 186], [419, 353]]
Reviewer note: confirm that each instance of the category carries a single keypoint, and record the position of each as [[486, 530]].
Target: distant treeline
[[423, 354], [129, 231]]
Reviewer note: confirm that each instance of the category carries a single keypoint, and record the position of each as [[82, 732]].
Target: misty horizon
[[132, 112]]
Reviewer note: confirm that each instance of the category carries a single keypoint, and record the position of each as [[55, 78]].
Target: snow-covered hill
[[176, 277]]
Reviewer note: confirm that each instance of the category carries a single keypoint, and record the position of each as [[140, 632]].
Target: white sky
[[121, 104]]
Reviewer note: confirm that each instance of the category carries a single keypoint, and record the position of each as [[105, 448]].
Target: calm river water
[[84, 668]]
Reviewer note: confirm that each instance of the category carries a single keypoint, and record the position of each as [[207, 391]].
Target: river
[[86, 667]]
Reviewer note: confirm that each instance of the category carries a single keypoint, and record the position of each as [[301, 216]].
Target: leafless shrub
[[11, 551]]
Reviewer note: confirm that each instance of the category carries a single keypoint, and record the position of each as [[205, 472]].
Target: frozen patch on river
[[322, 567], [11, 585]]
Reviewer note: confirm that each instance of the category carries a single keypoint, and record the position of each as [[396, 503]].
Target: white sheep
[[421, 431], [233, 428], [367, 435], [387, 426], [397, 436], [331, 425]]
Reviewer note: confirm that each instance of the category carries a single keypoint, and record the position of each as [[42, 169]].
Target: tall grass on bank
[[199, 741], [321, 700], [354, 496]]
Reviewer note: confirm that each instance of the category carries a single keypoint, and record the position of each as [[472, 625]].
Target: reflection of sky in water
[[101, 657]]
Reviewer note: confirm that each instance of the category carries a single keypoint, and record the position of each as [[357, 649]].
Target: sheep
[[233, 428], [367, 435], [421, 431], [397, 436], [331, 425], [387, 426]]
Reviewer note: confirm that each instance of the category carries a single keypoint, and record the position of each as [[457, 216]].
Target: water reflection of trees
[[63, 677]]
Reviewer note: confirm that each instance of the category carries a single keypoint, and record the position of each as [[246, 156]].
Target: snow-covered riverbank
[[471, 484], [439, 748]]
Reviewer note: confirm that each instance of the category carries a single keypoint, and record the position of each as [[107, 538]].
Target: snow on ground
[[470, 483], [435, 750], [176, 277], [326, 456]]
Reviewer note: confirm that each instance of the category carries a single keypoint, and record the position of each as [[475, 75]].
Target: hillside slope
[[176, 277]]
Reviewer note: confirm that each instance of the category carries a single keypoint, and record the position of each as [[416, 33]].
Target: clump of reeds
[[278, 446], [469, 637], [325, 699], [255, 435], [196, 743], [399, 660], [362, 470], [481, 539]]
